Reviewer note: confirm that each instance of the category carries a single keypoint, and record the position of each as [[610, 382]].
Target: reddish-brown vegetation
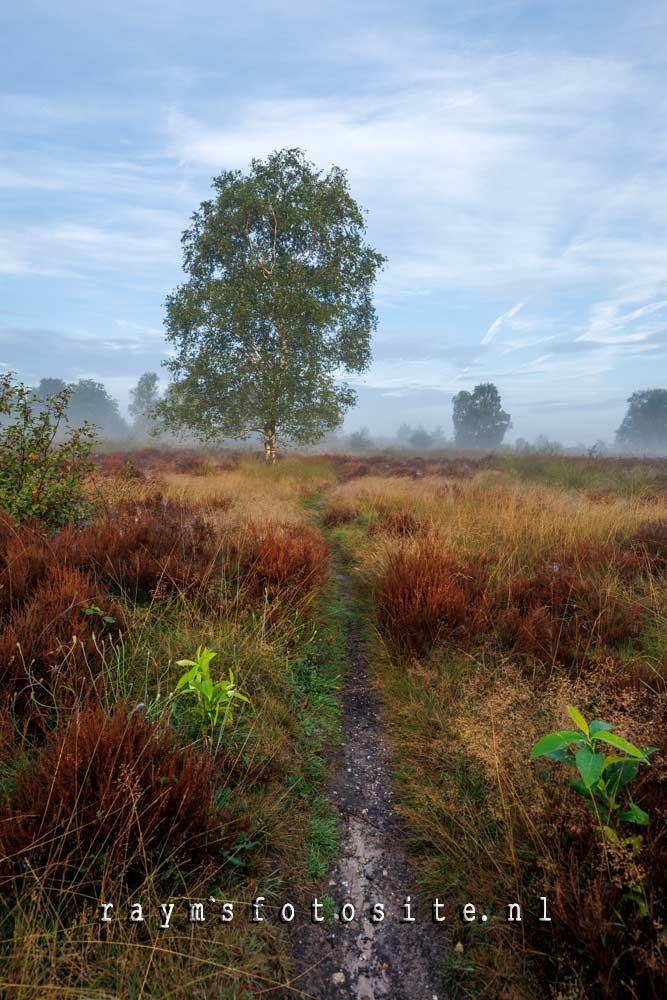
[[137, 464], [558, 616], [340, 512], [110, 795], [24, 555], [425, 593], [287, 562], [51, 642], [649, 543], [158, 544]]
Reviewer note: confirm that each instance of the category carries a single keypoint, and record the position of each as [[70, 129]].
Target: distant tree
[[547, 447], [360, 440], [644, 426], [404, 433], [598, 450], [277, 304], [421, 438], [143, 400], [438, 437], [479, 420], [522, 446], [91, 403], [49, 387]]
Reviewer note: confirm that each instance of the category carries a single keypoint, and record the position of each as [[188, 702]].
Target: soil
[[361, 959]]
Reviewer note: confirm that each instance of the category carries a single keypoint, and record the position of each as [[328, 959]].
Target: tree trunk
[[270, 445]]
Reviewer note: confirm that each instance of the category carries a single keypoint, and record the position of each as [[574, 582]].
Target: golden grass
[[488, 825]]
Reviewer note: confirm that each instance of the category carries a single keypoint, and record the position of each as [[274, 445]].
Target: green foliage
[[603, 779], [39, 477], [212, 699], [645, 424], [478, 418], [99, 613], [277, 304]]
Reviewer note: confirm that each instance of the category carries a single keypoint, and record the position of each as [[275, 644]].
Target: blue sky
[[511, 156]]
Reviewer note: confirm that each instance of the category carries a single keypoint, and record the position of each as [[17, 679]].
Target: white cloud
[[500, 321]]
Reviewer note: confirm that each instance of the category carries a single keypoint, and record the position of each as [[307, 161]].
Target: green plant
[[603, 778], [213, 699], [39, 477], [94, 610]]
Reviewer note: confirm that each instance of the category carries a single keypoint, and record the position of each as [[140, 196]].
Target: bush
[[556, 616], [24, 554], [157, 545], [286, 562], [425, 593], [340, 512], [113, 797], [39, 478], [50, 644], [649, 542]]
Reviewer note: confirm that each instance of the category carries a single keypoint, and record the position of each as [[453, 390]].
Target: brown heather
[[649, 543], [339, 512], [426, 593], [556, 616], [110, 796], [157, 544], [285, 562]]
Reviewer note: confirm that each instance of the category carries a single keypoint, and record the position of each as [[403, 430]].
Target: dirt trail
[[360, 959]]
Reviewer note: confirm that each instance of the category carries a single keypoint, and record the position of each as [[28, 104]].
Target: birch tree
[[277, 307]]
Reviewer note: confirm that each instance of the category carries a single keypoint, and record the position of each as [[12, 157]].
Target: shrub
[[340, 512], [424, 593], [159, 544], [556, 616], [110, 796], [24, 554], [649, 542], [119, 465], [50, 644], [287, 562], [39, 478]]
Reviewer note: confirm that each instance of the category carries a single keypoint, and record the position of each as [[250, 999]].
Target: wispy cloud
[[500, 321], [503, 155]]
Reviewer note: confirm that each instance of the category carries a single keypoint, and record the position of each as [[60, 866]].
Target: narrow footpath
[[361, 959]]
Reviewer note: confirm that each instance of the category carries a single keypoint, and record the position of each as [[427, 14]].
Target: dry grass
[[100, 803], [502, 592], [522, 599]]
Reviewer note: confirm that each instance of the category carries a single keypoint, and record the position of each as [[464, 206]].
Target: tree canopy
[[88, 402], [644, 426], [478, 417], [277, 305]]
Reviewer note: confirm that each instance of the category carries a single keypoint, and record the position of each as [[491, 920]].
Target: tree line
[[89, 402]]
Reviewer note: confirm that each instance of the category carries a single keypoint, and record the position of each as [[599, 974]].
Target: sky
[[510, 155]]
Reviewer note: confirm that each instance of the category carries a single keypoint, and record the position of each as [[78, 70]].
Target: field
[[489, 594]]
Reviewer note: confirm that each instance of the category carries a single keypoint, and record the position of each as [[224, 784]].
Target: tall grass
[[515, 597]]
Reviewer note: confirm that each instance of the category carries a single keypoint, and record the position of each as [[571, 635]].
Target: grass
[[272, 771], [485, 824], [566, 608]]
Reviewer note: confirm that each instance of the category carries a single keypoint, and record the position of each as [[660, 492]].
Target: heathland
[[491, 593]]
